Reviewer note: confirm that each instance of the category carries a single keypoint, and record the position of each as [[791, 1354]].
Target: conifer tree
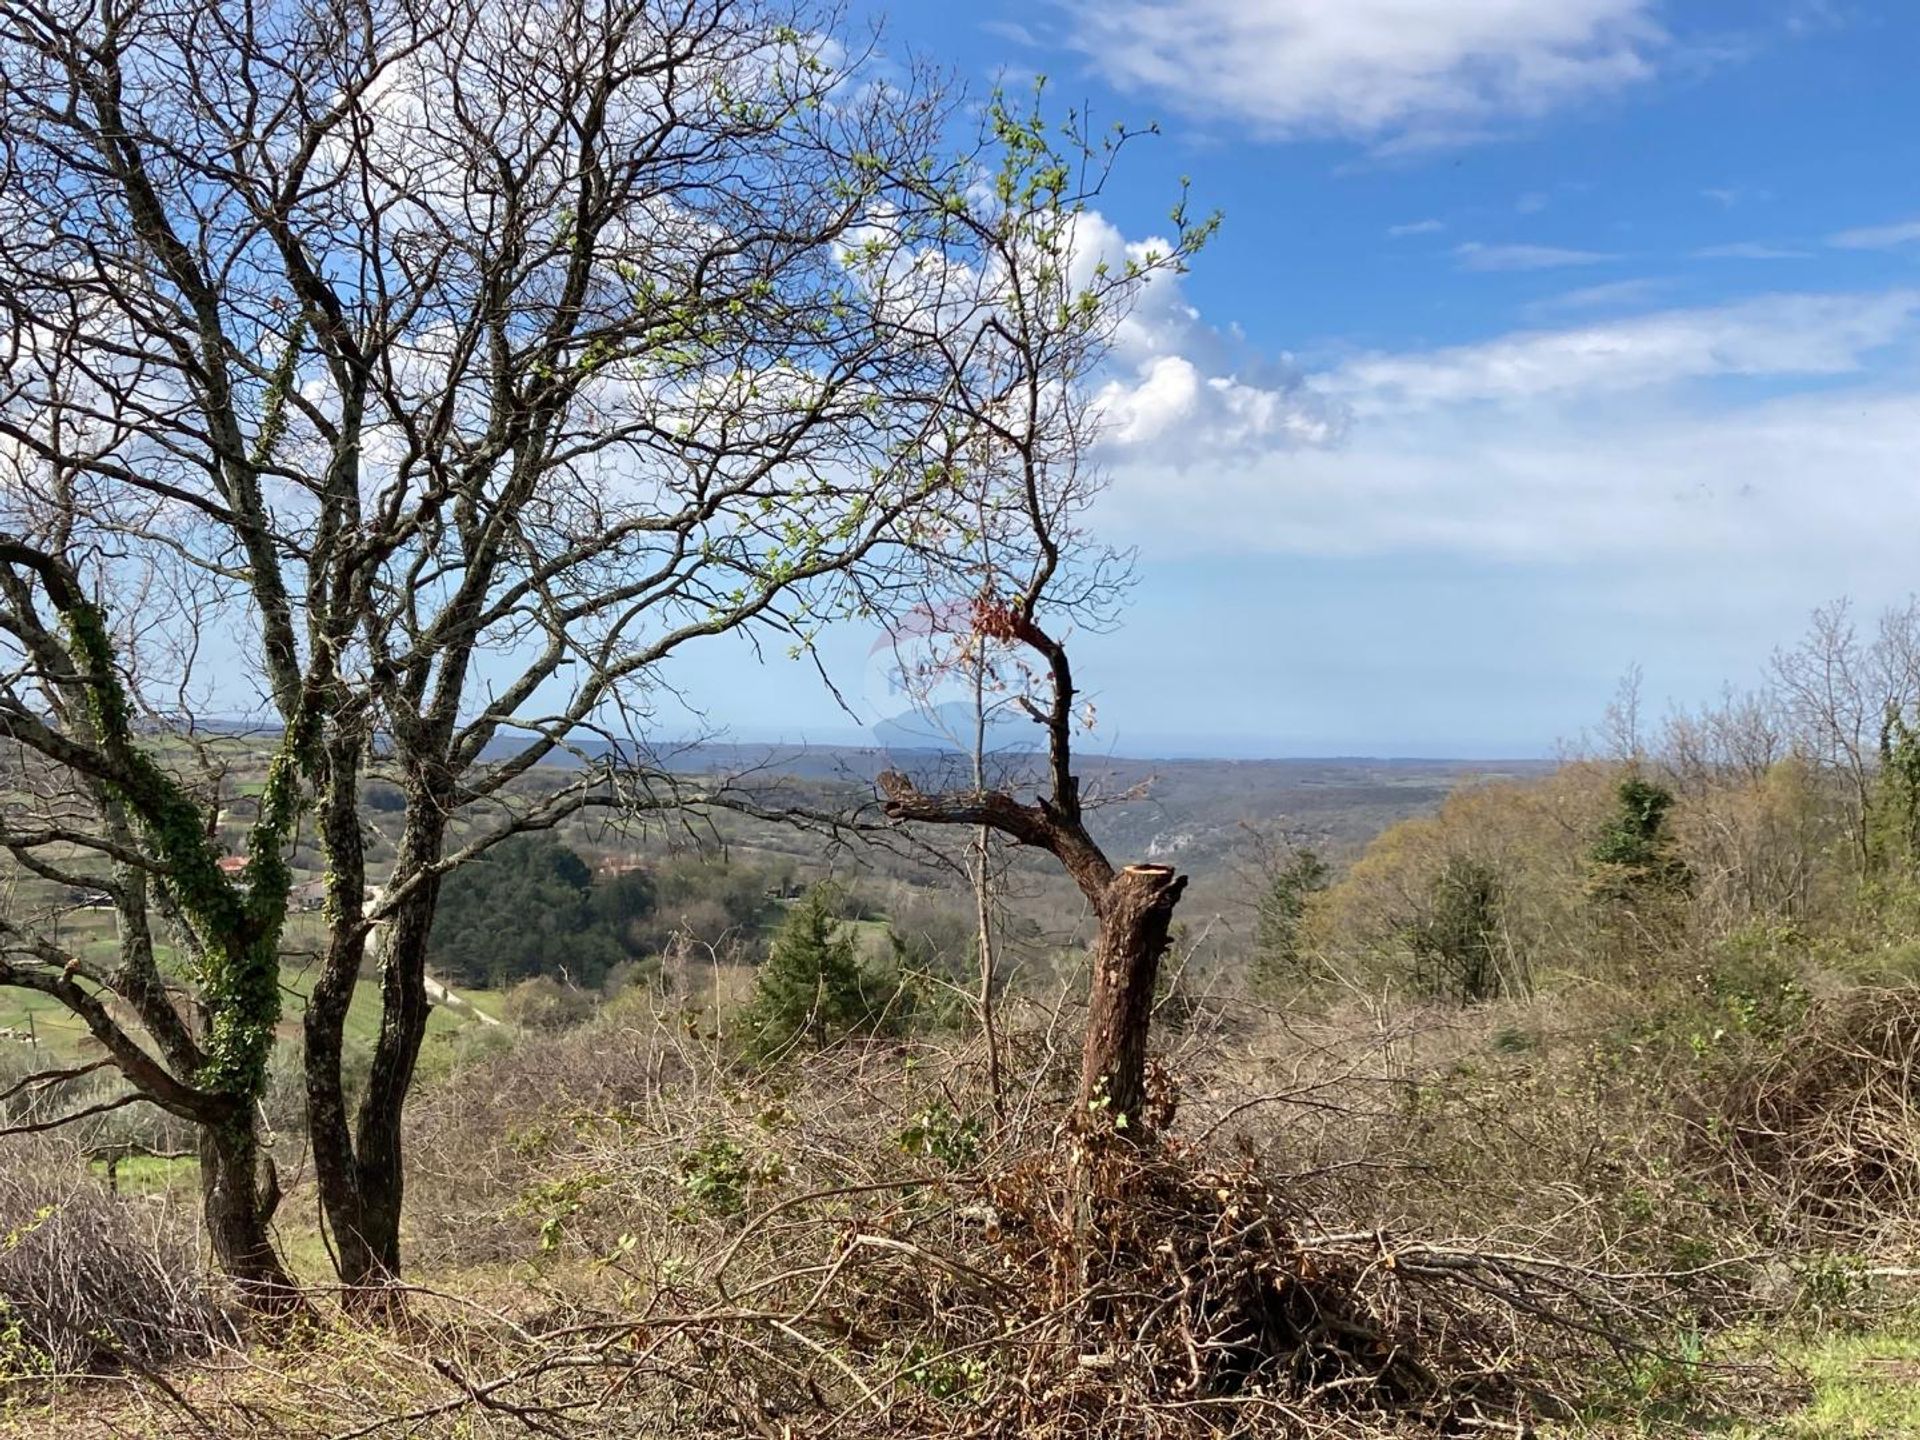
[[813, 987]]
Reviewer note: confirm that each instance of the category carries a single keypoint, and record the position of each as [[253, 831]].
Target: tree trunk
[[1134, 907], [329, 1132], [1136, 913], [983, 920], [239, 1203], [404, 1009], [983, 883], [336, 1171], [359, 1167]]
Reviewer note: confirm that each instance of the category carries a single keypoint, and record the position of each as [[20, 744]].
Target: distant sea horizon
[[898, 736]]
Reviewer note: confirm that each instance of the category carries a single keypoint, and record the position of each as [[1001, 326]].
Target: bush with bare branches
[[1824, 1130], [92, 1283]]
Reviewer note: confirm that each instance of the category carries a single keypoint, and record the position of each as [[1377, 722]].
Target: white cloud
[[1417, 227], [1589, 444], [1181, 392], [1877, 237], [1749, 250], [1813, 481], [1476, 256], [1728, 196], [1412, 144], [1385, 71], [1170, 405], [1182, 389], [1011, 30], [1772, 335], [1598, 297]]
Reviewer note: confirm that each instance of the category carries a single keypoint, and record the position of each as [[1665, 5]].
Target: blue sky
[[1543, 338]]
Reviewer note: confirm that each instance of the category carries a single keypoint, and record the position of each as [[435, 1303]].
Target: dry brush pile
[[92, 1284], [1824, 1132], [859, 1245]]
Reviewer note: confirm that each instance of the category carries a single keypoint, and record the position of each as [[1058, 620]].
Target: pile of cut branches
[[1064, 1282]]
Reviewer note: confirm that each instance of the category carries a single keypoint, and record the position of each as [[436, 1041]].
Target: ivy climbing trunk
[[233, 926]]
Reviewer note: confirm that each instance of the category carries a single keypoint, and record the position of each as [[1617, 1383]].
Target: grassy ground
[[491, 1003], [502, 1160], [151, 1174], [363, 1013], [51, 1025], [61, 1036], [54, 1029], [1865, 1387], [1857, 1385]]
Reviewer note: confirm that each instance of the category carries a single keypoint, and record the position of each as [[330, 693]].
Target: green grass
[[1857, 1387], [150, 1174], [62, 1037], [363, 1011], [57, 1031], [871, 938], [303, 1247], [491, 1003], [1865, 1387]]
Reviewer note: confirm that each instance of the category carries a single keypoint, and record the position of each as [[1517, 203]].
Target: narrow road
[[440, 995]]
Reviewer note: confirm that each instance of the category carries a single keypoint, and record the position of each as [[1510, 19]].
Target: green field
[[150, 1174], [61, 1036], [54, 1028]]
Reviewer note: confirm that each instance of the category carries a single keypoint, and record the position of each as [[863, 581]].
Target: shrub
[[446, 1055], [1821, 1122], [1458, 948], [1278, 952], [543, 1003], [718, 1176], [1634, 853], [89, 1282], [630, 975]]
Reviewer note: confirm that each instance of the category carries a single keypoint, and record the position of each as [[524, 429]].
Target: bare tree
[[672, 410], [956, 680], [1030, 571], [90, 808], [1838, 690], [467, 366]]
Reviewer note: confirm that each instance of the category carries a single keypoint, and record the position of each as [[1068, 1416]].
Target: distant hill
[[1195, 810]]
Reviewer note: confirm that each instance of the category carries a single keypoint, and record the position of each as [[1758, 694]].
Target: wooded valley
[[418, 1017]]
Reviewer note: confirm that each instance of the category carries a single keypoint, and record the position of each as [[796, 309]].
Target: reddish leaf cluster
[[996, 619]]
